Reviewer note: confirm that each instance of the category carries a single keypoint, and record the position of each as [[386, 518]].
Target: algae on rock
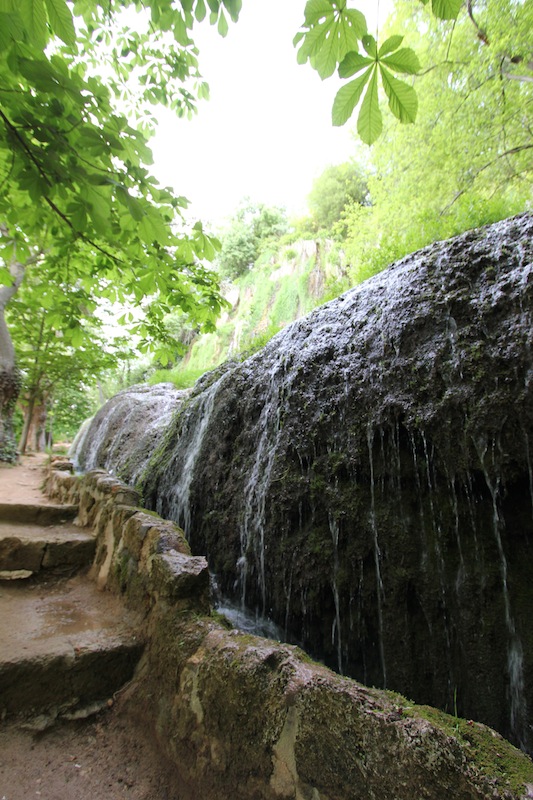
[[365, 480]]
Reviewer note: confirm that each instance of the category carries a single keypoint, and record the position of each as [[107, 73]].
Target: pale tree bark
[[9, 376], [33, 436], [35, 405], [10, 381]]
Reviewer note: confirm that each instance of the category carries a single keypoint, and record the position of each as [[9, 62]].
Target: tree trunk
[[28, 416], [34, 431], [9, 375]]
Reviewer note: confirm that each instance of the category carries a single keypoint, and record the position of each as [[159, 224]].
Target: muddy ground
[[106, 758]]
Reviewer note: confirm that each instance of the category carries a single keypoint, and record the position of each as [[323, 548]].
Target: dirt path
[[20, 483], [107, 757]]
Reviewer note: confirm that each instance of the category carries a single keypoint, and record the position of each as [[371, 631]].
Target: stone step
[[37, 513], [64, 648], [27, 549]]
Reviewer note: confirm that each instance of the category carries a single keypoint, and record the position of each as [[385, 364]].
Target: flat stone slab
[[30, 548], [37, 513], [22, 498], [62, 646]]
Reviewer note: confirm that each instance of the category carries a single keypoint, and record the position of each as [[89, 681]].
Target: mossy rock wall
[[366, 479], [243, 717]]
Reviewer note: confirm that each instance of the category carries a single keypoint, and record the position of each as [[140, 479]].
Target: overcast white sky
[[266, 131]]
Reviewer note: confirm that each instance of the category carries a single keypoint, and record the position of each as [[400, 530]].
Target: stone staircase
[[65, 647]]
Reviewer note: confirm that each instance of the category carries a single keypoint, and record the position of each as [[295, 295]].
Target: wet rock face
[[366, 479], [125, 432]]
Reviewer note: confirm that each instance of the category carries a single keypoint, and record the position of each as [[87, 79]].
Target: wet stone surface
[[365, 479]]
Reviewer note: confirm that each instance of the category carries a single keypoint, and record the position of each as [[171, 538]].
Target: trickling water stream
[[336, 482], [377, 557], [123, 435]]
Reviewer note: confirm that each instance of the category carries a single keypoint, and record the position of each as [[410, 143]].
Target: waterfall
[[176, 501], [257, 485], [336, 631], [334, 481], [377, 556], [515, 656], [123, 435]]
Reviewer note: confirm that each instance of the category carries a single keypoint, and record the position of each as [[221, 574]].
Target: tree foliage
[[74, 172], [249, 232], [78, 206], [336, 188], [468, 160], [50, 362], [335, 36]]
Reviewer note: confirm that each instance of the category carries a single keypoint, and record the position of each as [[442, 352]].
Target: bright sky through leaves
[[266, 132]]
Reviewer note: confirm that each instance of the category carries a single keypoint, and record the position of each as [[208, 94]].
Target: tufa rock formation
[[366, 479]]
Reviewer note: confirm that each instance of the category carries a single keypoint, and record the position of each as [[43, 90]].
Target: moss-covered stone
[[364, 480]]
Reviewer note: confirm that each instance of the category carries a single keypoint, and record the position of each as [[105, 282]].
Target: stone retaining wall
[[245, 717]]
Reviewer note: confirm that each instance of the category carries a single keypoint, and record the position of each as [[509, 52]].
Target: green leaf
[[298, 38], [347, 98], [47, 301], [11, 28], [6, 279], [132, 203], [403, 101], [390, 44], [76, 336], [39, 73], [446, 9], [61, 21], [100, 211], [181, 34], [333, 32], [316, 10], [404, 60], [78, 217], [369, 121], [325, 59], [369, 43], [357, 21], [200, 10], [33, 15], [234, 8], [352, 63], [223, 27]]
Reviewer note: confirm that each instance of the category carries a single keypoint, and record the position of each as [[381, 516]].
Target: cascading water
[[515, 655], [123, 435], [377, 556], [336, 631], [334, 480], [194, 426], [256, 491]]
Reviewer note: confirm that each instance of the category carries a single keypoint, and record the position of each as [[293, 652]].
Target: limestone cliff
[[366, 479]]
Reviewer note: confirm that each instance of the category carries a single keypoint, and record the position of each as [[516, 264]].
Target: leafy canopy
[[467, 162], [77, 200], [335, 189], [336, 36], [250, 230]]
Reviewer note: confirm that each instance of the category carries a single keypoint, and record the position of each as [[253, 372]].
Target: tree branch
[[26, 148], [521, 78], [511, 152], [480, 32]]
